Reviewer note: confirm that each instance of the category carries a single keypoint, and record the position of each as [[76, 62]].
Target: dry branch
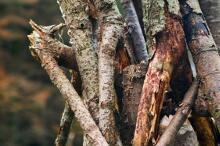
[[205, 55], [135, 31], [181, 115], [75, 14], [59, 79], [110, 29], [165, 37]]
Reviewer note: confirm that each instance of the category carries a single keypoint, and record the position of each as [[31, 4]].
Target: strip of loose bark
[[76, 16], [205, 55], [111, 27], [59, 79], [64, 54], [166, 43], [134, 29], [181, 115], [211, 10], [65, 124]]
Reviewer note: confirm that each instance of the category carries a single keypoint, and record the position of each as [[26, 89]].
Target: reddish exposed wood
[[167, 53]]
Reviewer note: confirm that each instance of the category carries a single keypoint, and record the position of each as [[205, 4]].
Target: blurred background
[[30, 106]]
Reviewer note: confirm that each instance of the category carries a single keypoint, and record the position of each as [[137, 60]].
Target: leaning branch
[[180, 117], [59, 79], [205, 55]]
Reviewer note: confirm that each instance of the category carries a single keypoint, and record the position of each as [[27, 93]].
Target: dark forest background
[[30, 106]]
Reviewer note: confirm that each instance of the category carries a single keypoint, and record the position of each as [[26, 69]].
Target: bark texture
[[133, 79], [76, 16], [205, 55], [111, 27], [161, 20], [211, 10], [60, 80], [180, 117], [135, 31]]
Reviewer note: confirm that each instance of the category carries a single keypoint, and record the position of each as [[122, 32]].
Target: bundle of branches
[[135, 81]]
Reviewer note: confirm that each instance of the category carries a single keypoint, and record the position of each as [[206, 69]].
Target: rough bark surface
[[111, 27], [75, 13], [161, 20], [180, 117], [211, 10], [60, 80], [133, 79], [205, 55]]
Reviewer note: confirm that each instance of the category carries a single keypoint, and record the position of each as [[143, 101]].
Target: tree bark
[[80, 31], [111, 28], [162, 19], [59, 79], [205, 55], [211, 11]]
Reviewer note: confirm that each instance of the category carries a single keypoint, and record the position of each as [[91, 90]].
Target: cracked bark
[[162, 19], [60, 80], [76, 16], [111, 27], [180, 117], [205, 55]]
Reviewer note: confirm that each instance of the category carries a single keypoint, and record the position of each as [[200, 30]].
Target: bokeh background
[[30, 106]]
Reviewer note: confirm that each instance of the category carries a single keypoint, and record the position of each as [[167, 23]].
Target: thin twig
[[181, 115]]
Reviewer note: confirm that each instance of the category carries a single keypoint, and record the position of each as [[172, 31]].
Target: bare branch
[[59, 79], [111, 27], [134, 29], [181, 115], [205, 55]]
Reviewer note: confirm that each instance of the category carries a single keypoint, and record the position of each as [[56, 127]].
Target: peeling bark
[[161, 20], [111, 27], [134, 29], [180, 117], [75, 13], [205, 55], [59, 79]]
